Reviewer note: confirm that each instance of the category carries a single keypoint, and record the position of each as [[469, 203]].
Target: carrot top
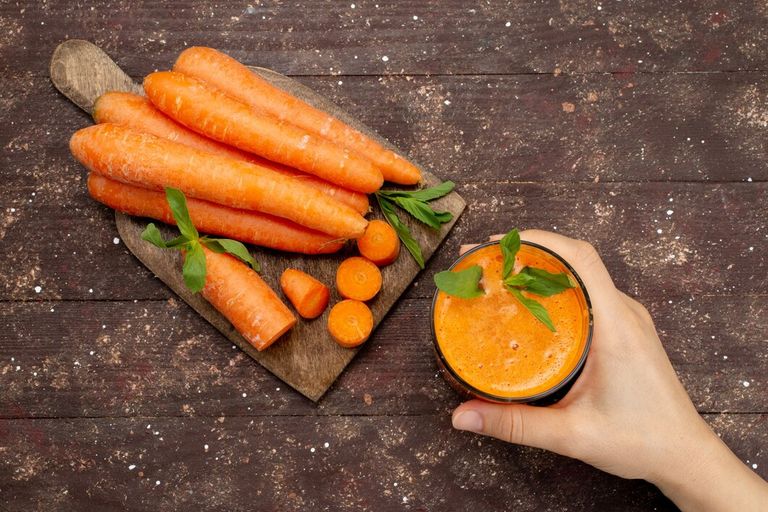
[[191, 243]]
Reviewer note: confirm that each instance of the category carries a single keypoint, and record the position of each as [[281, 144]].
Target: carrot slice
[[142, 159], [308, 295], [247, 226], [350, 322], [134, 111], [213, 113], [227, 74], [358, 279], [239, 294], [379, 243]]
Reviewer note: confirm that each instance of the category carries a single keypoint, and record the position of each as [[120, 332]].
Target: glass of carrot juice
[[491, 347]]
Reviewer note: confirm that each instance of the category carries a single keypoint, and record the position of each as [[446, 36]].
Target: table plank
[[528, 128], [438, 37], [150, 358], [713, 242], [400, 463], [572, 95]]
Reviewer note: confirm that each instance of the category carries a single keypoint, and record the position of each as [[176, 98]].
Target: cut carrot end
[[239, 294], [358, 279], [379, 243], [350, 322], [308, 295]]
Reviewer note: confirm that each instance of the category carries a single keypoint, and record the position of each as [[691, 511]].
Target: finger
[[541, 427], [585, 261], [466, 247]]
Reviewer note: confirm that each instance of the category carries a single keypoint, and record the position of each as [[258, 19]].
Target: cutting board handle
[[82, 72]]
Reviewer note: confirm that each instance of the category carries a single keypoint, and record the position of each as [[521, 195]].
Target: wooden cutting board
[[306, 358]]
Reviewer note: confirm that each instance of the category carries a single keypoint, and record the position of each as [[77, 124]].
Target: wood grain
[[445, 37], [373, 463], [560, 115], [306, 357], [716, 223], [159, 358]]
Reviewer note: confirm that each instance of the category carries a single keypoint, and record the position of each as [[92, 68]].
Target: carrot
[[211, 112], [308, 295], [358, 279], [134, 111], [379, 243], [238, 293], [246, 226], [142, 159], [227, 74], [350, 322]]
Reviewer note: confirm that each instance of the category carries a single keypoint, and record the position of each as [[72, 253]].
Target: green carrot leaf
[[444, 217], [232, 247], [419, 210], [536, 309], [425, 194], [510, 244], [189, 241], [464, 283], [194, 267], [388, 209], [177, 242], [545, 283], [152, 235], [178, 204]]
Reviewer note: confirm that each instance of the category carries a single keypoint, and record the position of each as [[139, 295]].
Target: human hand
[[627, 413]]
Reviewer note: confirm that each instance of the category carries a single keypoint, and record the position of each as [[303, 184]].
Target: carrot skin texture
[[142, 159], [136, 112], [350, 323], [213, 113], [380, 243], [247, 226], [227, 74], [308, 295], [238, 293]]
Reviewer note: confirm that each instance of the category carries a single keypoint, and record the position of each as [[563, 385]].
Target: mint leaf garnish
[[464, 283]]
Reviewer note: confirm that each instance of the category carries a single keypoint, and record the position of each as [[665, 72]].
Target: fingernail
[[468, 420]]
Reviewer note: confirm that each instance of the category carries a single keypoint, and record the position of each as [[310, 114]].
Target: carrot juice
[[492, 347]]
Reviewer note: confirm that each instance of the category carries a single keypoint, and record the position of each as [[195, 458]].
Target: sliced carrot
[[247, 226], [379, 243], [230, 76], [213, 113], [350, 322], [358, 279], [238, 293], [134, 111], [308, 295], [142, 159]]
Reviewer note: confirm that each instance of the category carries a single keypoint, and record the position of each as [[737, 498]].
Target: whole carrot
[[134, 111], [227, 74], [142, 159], [213, 113], [238, 293], [246, 226]]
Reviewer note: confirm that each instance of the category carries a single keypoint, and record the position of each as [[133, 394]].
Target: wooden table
[[640, 126]]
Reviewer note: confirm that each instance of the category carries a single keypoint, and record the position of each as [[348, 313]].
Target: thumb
[[541, 427]]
